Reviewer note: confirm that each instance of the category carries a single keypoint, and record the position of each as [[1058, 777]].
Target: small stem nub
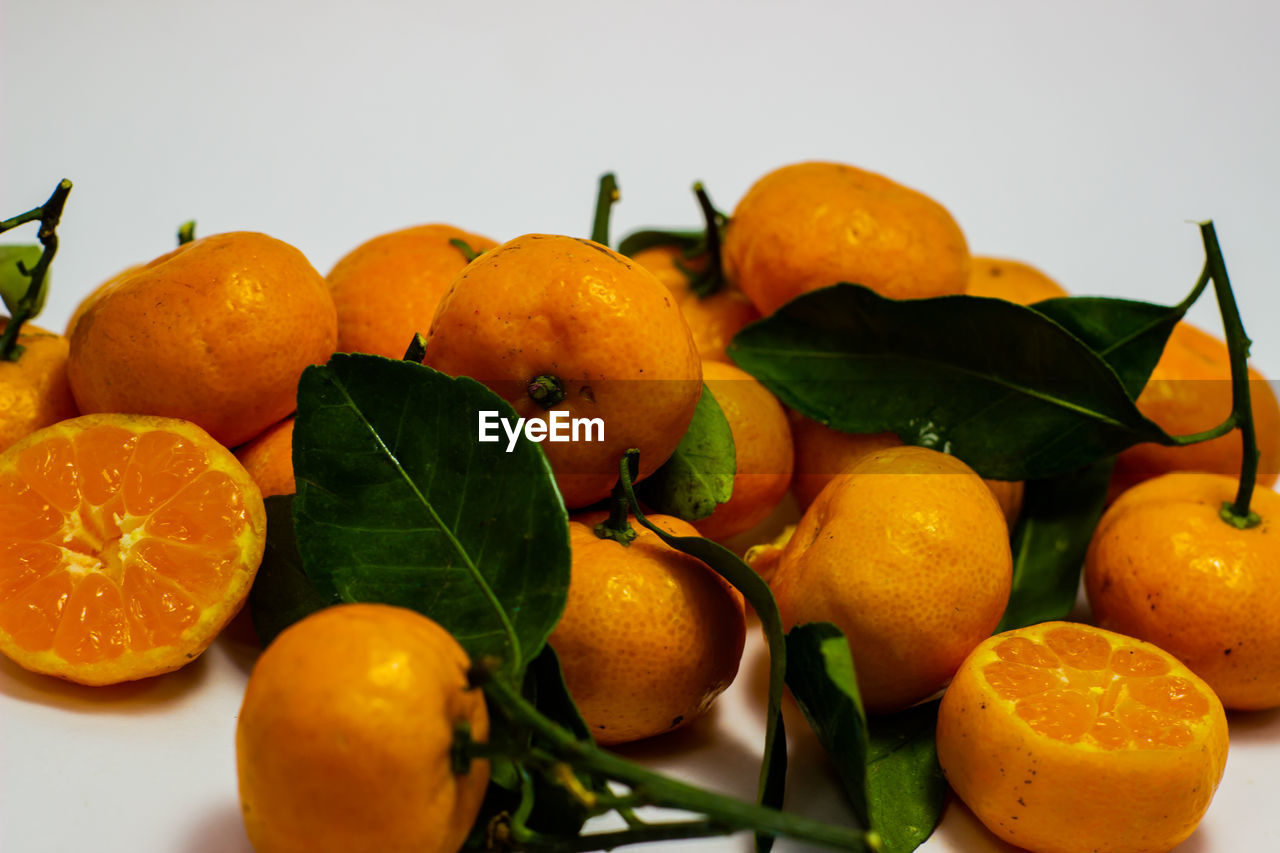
[[605, 199], [546, 390], [186, 232], [618, 525], [49, 214], [417, 349], [465, 248]]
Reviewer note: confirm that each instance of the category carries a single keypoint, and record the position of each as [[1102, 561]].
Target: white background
[[1082, 137]]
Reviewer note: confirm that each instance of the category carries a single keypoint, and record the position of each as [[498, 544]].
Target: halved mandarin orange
[[127, 542], [1066, 737]]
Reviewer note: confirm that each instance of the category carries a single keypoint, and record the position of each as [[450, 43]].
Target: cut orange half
[[1066, 737], [127, 542]]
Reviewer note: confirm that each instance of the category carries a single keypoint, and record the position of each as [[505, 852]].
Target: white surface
[[1081, 137]]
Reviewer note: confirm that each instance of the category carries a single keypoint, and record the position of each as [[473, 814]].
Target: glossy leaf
[[1049, 543], [953, 373], [699, 474], [398, 502], [906, 790], [13, 283], [282, 593]]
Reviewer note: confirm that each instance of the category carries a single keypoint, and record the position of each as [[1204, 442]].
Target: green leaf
[[399, 502], [773, 770], [888, 764], [905, 786], [555, 810], [13, 283], [1003, 387], [1050, 541], [1129, 335], [281, 594], [699, 475], [688, 242], [821, 676]]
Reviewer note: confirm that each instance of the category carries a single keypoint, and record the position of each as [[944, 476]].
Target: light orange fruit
[[34, 392], [1165, 567], [269, 459], [822, 453], [713, 319], [811, 225], [1014, 281], [1066, 738], [650, 636], [129, 541], [762, 451], [386, 290], [1188, 392], [908, 554], [546, 311], [344, 739], [216, 332]]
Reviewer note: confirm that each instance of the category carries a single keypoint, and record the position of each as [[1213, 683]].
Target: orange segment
[[1059, 724], [126, 543]]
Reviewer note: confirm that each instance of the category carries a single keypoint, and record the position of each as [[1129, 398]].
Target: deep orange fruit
[[129, 541], [269, 459], [1001, 278], [34, 392], [1066, 738]]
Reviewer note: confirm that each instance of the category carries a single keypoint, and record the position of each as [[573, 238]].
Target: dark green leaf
[[953, 373], [905, 786], [399, 502], [13, 283], [651, 238], [1129, 335], [281, 593], [699, 475], [773, 771], [1049, 543], [821, 676]]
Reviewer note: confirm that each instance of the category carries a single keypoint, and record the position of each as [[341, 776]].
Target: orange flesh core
[[113, 540], [1078, 688]]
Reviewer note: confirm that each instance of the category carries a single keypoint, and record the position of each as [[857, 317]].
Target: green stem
[[465, 248], [605, 199], [618, 525], [49, 214], [546, 390], [186, 232], [1237, 513], [726, 813], [1217, 432], [711, 279], [417, 349], [609, 840]]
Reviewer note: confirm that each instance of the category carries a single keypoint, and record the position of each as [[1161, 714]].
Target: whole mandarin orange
[[1014, 281], [216, 332], [34, 391], [548, 312], [386, 290], [269, 459], [650, 636], [811, 225]]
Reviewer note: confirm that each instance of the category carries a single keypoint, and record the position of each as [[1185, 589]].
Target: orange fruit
[[1190, 391], [216, 332], [908, 553], [822, 453], [811, 225], [386, 290], [96, 294], [33, 389], [269, 459], [129, 542], [595, 325], [762, 451], [343, 741], [713, 319], [1014, 281], [1067, 738], [650, 636], [1165, 567]]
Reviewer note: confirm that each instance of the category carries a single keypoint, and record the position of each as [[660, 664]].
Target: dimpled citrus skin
[[1015, 741], [714, 319], [343, 740], [908, 553], [545, 305], [1001, 278], [822, 452], [1163, 566], [650, 636], [33, 388], [269, 459], [810, 225], [216, 332], [1190, 391], [386, 290], [762, 451]]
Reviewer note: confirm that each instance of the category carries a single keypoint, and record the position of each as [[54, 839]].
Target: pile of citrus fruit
[[139, 447]]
